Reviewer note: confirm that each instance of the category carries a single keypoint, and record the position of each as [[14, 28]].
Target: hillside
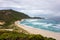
[[10, 16], [11, 35]]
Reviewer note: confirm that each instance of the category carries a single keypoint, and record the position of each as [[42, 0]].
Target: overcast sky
[[44, 8]]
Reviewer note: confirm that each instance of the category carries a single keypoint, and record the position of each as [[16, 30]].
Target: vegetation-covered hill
[[10, 16]]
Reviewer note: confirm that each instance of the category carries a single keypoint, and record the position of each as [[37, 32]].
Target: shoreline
[[42, 32]]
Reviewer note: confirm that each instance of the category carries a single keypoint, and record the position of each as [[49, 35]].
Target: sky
[[39, 8]]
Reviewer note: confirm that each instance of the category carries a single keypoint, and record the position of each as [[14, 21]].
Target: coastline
[[32, 30]]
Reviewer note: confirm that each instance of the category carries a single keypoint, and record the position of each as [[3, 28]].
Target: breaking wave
[[50, 25]]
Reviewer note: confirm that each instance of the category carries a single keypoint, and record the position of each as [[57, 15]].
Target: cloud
[[46, 8], [6, 3], [42, 13]]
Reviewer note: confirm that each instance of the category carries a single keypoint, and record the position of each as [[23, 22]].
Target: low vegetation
[[12, 35]]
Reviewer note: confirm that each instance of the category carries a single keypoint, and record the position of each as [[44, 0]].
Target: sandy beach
[[32, 30]]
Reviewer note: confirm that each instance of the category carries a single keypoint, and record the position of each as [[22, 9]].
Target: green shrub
[[7, 35]]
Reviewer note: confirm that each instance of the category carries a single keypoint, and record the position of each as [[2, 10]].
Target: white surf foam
[[36, 23], [31, 20], [57, 26], [46, 25]]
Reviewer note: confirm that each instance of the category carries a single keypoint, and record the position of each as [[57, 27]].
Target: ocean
[[45, 24]]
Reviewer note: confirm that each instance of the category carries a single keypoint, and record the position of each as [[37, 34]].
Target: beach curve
[[32, 30]]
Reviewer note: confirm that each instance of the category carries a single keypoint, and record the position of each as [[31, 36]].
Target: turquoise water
[[50, 25]]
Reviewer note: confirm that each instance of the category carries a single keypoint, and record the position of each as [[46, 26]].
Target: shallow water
[[44, 24]]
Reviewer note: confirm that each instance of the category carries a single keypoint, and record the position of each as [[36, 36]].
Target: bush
[[7, 35]]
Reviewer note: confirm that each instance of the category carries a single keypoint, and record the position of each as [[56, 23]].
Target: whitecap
[[36, 23], [32, 20], [57, 26], [46, 25]]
